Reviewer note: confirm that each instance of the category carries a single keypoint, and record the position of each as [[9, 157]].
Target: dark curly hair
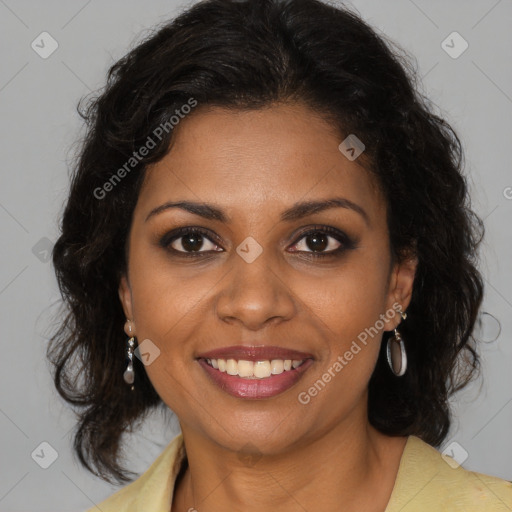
[[249, 55]]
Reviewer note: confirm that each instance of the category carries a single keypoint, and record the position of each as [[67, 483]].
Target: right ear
[[125, 295]]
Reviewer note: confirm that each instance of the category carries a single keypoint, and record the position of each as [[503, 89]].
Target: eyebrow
[[295, 212]]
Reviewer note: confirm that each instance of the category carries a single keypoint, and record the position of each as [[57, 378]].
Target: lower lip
[[255, 388]]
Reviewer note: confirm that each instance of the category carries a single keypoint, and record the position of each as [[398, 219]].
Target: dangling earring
[[129, 373], [397, 357]]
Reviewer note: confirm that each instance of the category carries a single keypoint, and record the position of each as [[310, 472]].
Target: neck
[[352, 464]]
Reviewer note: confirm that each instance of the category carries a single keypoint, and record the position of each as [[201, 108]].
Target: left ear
[[125, 296], [400, 289]]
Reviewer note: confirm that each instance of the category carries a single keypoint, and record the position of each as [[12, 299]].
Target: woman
[[280, 225]]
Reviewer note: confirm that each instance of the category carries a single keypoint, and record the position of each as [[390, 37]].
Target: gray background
[[39, 125]]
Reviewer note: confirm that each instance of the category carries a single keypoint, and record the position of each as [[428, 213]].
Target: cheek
[[349, 305], [167, 309], [348, 299], [166, 296], [163, 304], [348, 309]]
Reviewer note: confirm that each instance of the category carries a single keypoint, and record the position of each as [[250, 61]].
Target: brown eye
[[319, 242], [192, 242], [323, 242], [188, 241]]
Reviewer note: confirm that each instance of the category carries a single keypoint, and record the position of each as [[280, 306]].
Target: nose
[[255, 295]]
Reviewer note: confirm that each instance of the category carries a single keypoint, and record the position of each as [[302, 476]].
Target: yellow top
[[426, 482]]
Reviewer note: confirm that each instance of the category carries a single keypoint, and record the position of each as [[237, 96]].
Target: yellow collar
[[426, 481]]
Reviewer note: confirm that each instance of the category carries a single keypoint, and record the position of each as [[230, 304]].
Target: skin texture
[[253, 165]]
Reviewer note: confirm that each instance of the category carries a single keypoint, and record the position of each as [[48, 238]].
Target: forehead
[[254, 160]]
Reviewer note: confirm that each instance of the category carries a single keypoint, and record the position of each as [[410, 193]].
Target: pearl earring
[[129, 373]]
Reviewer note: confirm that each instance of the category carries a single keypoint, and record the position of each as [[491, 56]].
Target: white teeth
[[276, 366], [231, 367], [245, 368], [262, 369], [254, 369]]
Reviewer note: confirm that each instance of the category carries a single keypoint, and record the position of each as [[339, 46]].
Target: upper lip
[[254, 353]]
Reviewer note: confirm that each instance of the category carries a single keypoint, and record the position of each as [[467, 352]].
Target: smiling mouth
[[257, 379], [252, 370]]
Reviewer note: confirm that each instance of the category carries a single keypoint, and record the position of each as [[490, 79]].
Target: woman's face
[[253, 279]]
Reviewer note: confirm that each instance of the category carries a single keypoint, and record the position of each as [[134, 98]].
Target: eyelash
[[346, 242]]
